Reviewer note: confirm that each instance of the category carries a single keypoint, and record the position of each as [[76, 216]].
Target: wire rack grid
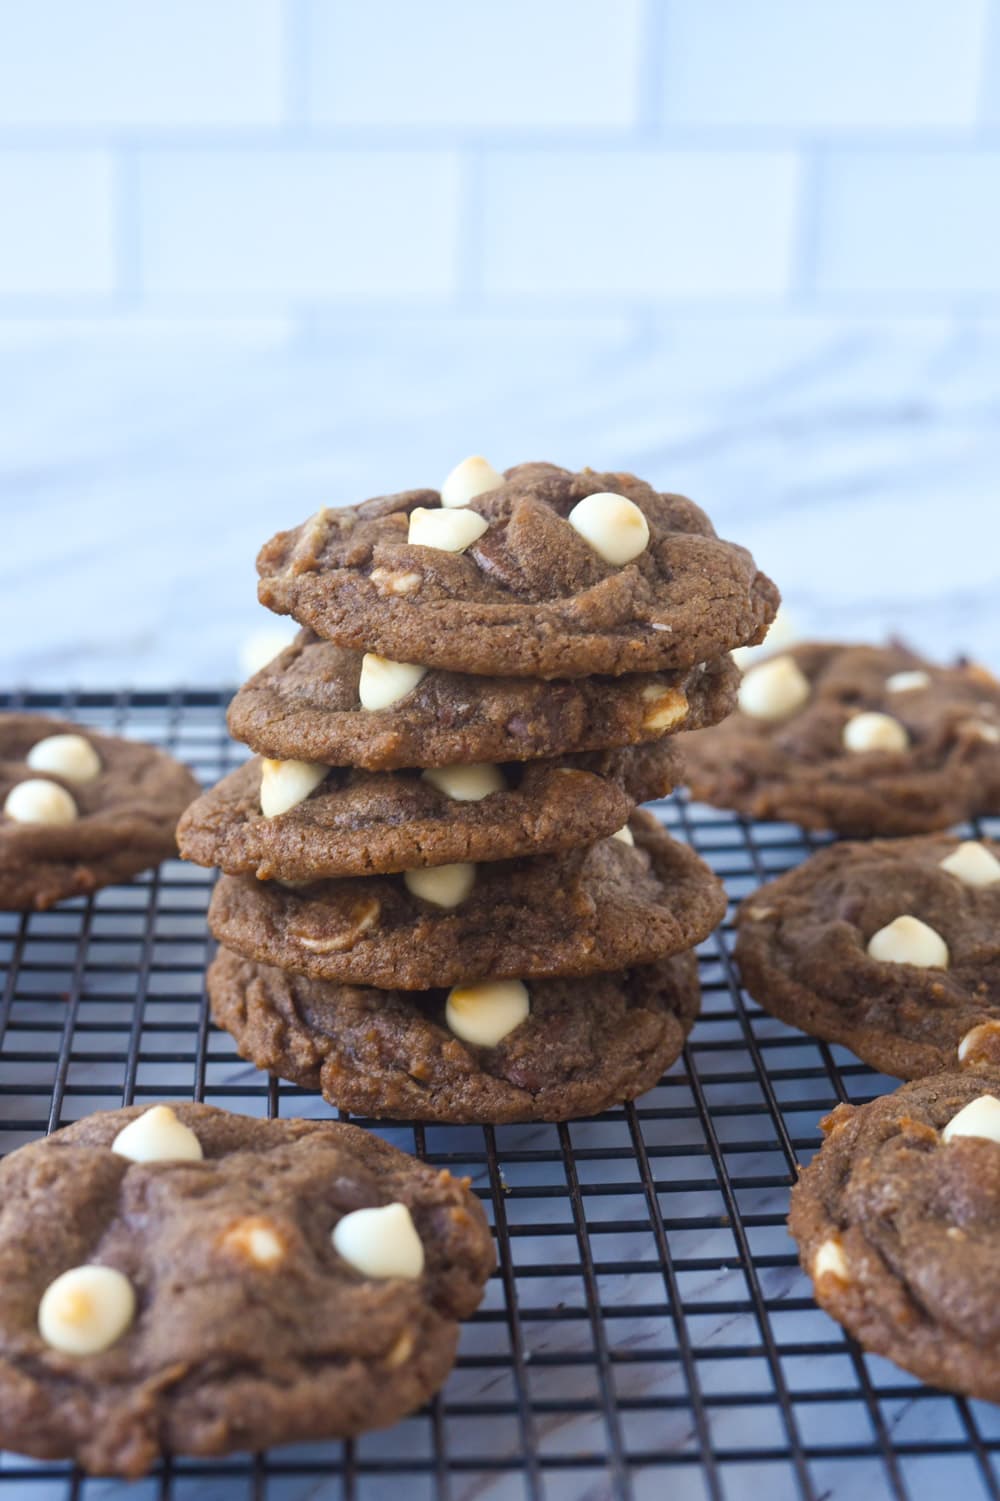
[[648, 1332]]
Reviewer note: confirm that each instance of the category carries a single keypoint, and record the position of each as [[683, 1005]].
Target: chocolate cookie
[[359, 823], [527, 582], [861, 739], [583, 1045], [892, 948], [205, 1282], [607, 907], [305, 706], [81, 810], [898, 1222]]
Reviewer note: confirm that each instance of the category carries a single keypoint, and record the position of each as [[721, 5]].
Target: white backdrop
[[256, 256]]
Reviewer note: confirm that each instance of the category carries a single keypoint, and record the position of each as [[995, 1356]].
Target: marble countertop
[[140, 471]]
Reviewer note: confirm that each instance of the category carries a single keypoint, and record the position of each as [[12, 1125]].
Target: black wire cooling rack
[[648, 1334]]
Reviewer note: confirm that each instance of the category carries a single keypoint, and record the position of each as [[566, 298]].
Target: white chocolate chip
[[483, 1014], [255, 1239], [830, 1261], [982, 1040], [285, 784], [449, 531], [392, 581], [384, 682], [157, 1136], [380, 1242], [973, 864], [668, 706], [443, 885], [466, 784], [40, 801], [468, 479], [86, 1309], [906, 682], [363, 915], [983, 731], [774, 690], [624, 834], [907, 940], [401, 1350], [613, 525], [981, 1117], [872, 731], [69, 756]]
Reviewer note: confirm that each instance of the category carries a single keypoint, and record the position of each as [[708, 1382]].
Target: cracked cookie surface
[[939, 763], [803, 951], [531, 596], [585, 1046], [360, 823], [899, 1226], [228, 1349], [304, 706], [607, 907], [126, 812]]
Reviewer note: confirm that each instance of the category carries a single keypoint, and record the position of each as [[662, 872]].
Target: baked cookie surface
[[583, 1045], [863, 740], [897, 1220], [607, 907], [358, 823], [81, 810], [305, 705], [249, 1325], [532, 595], [890, 947]]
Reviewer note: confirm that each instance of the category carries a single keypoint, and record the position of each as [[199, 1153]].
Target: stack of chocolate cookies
[[438, 900]]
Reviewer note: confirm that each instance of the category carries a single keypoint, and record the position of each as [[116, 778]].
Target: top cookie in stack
[[493, 673]]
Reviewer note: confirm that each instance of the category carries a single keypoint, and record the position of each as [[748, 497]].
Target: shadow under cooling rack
[[648, 1333]]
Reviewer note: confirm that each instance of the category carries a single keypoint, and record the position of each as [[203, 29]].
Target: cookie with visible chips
[[81, 810], [863, 740], [897, 1220], [180, 1280], [356, 823], [611, 906], [306, 705], [890, 947], [546, 574], [547, 1050]]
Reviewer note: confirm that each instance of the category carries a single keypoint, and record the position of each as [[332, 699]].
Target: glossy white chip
[[443, 885], [86, 1309], [908, 682], [449, 531], [907, 940], [775, 689], [285, 784], [384, 682], [872, 731], [466, 784], [972, 864], [613, 525], [981, 1117], [40, 801], [468, 479], [380, 1242], [157, 1135], [69, 756], [484, 1014]]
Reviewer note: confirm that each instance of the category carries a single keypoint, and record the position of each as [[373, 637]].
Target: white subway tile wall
[[186, 159]]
